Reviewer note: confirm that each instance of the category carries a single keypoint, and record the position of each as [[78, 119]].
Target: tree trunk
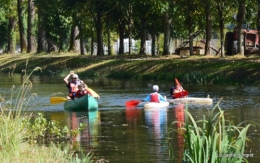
[[190, 36], [23, 41], [158, 45], [51, 46], [130, 39], [74, 43], [109, 49], [143, 36], [190, 40], [258, 22], [31, 17], [208, 27], [41, 32], [82, 49], [221, 30], [130, 26], [81, 42], [121, 38], [92, 44], [153, 41], [167, 33], [240, 20], [61, 42], [100, 49], [11, 35]]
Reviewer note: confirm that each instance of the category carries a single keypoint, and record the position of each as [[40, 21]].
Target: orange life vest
[[73, 87]]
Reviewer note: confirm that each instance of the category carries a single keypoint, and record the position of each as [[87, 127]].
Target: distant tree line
[[66, 25]]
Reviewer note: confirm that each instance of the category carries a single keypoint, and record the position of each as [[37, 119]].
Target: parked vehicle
[[250, 41]]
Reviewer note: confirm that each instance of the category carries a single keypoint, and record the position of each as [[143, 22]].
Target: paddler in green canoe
[[72, 85]]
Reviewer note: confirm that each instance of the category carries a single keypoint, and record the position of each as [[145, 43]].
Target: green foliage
[[41, 129], [3, 32], [212, 139], [196, 77]]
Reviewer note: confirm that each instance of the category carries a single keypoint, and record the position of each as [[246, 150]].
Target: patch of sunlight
[[92, 66]]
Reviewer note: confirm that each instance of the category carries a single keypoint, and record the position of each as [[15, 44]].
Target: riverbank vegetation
[[195, 69], [23, 137], [210, 139]]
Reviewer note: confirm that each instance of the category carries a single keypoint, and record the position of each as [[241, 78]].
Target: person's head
[[75, 77], [155, 88], [177, 86], [81, 87]]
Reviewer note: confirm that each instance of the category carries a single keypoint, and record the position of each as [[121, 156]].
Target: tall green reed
[[211, 139]]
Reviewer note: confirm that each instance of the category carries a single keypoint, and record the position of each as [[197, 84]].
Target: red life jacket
[[154, 97], [80, 94]]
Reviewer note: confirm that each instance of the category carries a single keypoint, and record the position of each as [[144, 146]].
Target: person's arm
[[88, 92], [66, 79], [147, 99], [161, 98]]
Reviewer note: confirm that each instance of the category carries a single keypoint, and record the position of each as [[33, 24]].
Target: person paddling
[[178, 91], [155, 96], [72, 85], [178, 88], [82, 90]]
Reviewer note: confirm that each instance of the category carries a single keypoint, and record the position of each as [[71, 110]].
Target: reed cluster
[[211, 139]]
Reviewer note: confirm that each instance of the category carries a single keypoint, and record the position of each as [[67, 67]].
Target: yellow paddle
[[94, 94], [57, 100]]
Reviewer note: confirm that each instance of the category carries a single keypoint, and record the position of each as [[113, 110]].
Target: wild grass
[[211, 139], [17, 129]]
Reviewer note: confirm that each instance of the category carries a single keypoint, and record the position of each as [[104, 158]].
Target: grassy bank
[[196, 69]]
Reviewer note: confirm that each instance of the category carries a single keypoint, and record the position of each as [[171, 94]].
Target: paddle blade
[[57, 100], [93, 93], [177, 82], [180, 94], [132, 103]]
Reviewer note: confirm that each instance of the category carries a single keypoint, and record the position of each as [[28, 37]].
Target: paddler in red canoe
[[178, 91]]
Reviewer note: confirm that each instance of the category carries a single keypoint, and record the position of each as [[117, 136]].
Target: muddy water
[[119, 134]]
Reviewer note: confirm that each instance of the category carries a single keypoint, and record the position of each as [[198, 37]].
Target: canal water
[[118, 134]]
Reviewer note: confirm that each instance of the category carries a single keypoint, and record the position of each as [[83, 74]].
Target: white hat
[[156, 88], [75, 76]]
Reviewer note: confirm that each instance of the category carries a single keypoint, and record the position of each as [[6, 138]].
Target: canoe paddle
[[93, 93], [132, 103], [57, 100]]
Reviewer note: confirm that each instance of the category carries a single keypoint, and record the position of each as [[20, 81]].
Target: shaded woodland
[[79, 25]]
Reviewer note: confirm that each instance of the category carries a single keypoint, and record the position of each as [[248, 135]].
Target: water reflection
[[88, 135], [133, 114], [180, 118], [156, 119]]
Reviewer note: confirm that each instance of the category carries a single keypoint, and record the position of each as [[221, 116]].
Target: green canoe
[[85, 103]]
